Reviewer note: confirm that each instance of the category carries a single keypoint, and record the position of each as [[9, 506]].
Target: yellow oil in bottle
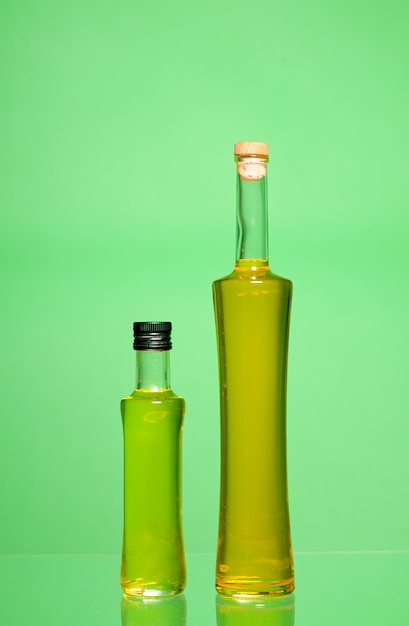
[[252, 308], [153, 560]]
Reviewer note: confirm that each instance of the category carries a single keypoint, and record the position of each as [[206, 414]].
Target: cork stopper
[[251, 148], [251, 159]]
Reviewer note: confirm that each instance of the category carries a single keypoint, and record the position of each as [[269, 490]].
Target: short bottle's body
[[153, 561], [252, 308]]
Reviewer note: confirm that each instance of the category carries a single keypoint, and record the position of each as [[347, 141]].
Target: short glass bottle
[[153, 559], [252, 308]]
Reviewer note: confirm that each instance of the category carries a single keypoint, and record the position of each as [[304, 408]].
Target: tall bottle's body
[[252, 308]]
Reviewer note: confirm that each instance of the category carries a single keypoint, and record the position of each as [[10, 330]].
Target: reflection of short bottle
[[261, 612], [153, 612], [153, 560]]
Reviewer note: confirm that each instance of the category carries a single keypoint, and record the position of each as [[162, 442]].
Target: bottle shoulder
[[141, 402], [149, 395], [256, 275]]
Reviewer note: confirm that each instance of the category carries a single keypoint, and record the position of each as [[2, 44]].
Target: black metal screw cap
[[152, 335]]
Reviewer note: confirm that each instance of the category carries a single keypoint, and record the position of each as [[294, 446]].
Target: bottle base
[[252, 590], [149, 593]]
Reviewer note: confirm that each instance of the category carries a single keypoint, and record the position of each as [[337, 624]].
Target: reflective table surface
[[331, 588]]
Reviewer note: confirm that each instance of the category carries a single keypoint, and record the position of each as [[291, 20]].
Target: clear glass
[[153, 559], [152, 370], [251, 204], [252, 308]]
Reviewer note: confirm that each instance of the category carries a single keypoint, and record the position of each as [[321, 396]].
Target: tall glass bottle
[[153, 560], [252, 308]]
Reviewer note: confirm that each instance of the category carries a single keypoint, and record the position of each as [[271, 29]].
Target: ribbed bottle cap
[[251, 148], [152, 335]]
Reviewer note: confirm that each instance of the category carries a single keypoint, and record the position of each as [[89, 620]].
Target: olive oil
[[153, 560], [252, 308]]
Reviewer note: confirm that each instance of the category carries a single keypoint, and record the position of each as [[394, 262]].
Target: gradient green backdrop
[[118, 121]]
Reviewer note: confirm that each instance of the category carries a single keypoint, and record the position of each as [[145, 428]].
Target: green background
[[118, 204]]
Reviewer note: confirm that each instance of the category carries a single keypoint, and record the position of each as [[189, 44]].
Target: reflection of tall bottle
[[153, 560], [269, 612], [153, 612], [252, 308]]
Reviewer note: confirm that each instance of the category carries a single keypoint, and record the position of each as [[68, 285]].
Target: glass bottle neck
[[252, 225], [152, 369]]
